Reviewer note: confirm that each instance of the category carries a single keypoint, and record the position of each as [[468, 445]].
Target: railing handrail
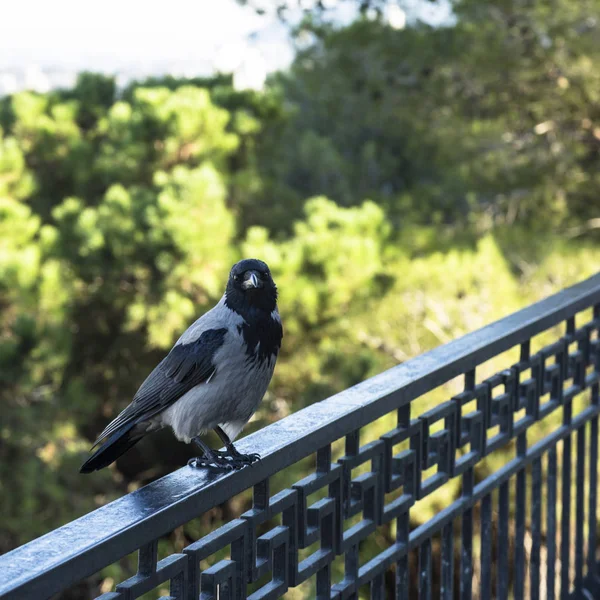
[[84, 546]]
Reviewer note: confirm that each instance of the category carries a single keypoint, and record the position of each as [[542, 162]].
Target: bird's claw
[[245, 459], [217, 462], [224, 461], [237, 458]]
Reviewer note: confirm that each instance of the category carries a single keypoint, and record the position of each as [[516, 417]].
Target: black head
[[251, 287]]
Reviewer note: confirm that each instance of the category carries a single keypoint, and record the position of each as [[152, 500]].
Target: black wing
[[184, 367]]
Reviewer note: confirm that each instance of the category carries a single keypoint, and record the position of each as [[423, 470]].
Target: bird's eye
[[265, 274], [235, 277]]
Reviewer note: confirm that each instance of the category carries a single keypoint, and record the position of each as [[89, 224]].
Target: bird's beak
[[251, 280]]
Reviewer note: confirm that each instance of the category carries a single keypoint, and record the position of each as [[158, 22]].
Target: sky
[[117, 34], [182, 37]]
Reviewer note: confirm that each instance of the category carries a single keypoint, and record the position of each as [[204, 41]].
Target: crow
[[214, 377]]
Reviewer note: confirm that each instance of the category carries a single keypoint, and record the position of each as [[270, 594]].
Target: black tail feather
[[118, 443]]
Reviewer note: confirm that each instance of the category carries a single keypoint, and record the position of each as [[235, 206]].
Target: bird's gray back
[[216, 318]]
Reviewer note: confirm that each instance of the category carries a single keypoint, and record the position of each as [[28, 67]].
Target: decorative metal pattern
[[488, 544]]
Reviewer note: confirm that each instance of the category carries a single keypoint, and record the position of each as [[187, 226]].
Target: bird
[[213, 378]]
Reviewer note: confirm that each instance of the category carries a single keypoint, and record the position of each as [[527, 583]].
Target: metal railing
[[490, 541]]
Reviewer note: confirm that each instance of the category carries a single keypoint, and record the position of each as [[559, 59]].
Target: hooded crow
[[214, 377]]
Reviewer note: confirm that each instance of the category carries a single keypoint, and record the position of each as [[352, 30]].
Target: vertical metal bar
[[520, 514], [551, 525], [592, 568], [521, 494], [352, 449], [353, 443], [351, 562], [402, 573], [324, 583], [260, 494], [147, 558], [502, 580], [579, 508], [402, 590], [570, 326], [592, 520], [536, 528], [328, 532], [486, 547], [328, 539], [425, 570], [470, 380], [177, 587], [466, 542], [239, 554], [525, 351], [565, 522], [377, 588], [519, 582], [193, 578], [447, 587], [466, 555], [324, 459]]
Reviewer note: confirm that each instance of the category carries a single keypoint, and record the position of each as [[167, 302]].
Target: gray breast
[[231, 395]]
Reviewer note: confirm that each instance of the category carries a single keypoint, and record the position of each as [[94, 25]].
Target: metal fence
[[525, 528]]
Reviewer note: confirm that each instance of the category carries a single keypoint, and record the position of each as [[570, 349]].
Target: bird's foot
[[244, 459], [214, 462], [238, 459]]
